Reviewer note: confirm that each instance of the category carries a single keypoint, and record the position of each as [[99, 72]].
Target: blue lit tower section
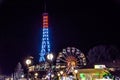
[[45, 48]]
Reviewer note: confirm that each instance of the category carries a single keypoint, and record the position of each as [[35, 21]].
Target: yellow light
[[58, 74], [50, 56], [28, 61], [99, 66], [76, 71], [36, 74], [22, 76], [52, 75], [61, 72]]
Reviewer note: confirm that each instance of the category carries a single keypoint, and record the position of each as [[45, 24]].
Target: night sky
[[79, 23]]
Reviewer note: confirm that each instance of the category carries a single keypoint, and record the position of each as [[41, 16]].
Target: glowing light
[[82, 76], [99, 66], [58, 74], [61, 72], [50, 56], [36, 74], [52, 75], [28, 62], [22, 76], [47, 77], [45, 20], [76, 71]]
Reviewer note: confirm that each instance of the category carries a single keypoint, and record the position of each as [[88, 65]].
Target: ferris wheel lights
[[60, 53], [70, 58], [58, 74], [36, 74], [57, 67], [47, 77], [52, 75], [61, 72], [84, 64], [22, 76]]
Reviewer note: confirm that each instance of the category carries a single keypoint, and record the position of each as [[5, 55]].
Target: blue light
[[45, 48]]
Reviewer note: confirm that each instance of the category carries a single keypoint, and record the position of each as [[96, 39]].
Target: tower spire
[[44, 5]]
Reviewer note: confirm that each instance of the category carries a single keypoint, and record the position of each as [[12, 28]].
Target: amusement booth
[[98, 73]]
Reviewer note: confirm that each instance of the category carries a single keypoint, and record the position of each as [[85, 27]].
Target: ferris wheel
[[70, 58]]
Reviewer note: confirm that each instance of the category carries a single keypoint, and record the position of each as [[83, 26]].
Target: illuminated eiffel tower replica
[[45, 46], [43, 66]]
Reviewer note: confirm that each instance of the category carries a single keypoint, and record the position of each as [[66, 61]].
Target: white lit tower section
[[45, 48]]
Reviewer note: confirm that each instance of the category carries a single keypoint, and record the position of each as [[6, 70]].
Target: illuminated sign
[[99, 66]]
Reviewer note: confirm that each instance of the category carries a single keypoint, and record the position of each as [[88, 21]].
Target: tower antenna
[[44, 5]]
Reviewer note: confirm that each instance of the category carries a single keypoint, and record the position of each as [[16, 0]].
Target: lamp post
[[28, 62], [50, 58], [76, 71]]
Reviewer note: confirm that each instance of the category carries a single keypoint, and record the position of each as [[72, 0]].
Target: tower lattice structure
[[45, 47]]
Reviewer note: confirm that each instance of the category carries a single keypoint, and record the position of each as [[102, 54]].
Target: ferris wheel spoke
[[65, 53], [62, 60], [64, 56]]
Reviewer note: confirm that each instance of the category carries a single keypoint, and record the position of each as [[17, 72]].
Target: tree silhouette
[[18, 72], [102, 53]]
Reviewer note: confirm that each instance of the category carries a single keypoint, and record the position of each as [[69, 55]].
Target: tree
[[18, 72], [102, 53]]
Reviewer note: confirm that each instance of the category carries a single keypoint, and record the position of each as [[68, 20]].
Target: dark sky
[[79, 23]]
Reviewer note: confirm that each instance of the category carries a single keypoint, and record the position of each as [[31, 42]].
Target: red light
[[45, 21], [45, 17]]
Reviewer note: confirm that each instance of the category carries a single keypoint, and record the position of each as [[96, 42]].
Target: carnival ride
[[69, 59]]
